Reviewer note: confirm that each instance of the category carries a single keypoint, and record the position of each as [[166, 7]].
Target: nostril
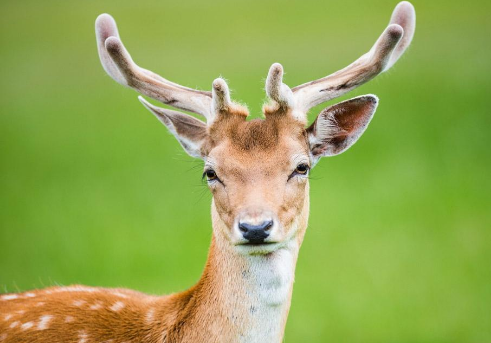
[[264, 226], [244, 227], [267, 225]]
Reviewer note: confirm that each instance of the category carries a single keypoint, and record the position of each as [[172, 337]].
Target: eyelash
[[210, 178], [300, 172]]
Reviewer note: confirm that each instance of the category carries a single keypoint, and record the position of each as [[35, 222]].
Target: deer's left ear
[[338, 127]]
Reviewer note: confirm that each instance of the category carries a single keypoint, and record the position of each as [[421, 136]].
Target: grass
[[94, 191]]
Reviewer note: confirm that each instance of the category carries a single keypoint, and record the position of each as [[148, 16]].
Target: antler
[[118, 64], [386, 51]]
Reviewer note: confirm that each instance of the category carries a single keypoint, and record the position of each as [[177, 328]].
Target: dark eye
[[211, 175], [302, 169]]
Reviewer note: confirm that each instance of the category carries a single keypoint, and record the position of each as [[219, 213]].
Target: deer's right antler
[[385, 52], [118, 64]]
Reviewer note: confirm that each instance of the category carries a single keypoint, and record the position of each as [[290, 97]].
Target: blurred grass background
[[95, 191]]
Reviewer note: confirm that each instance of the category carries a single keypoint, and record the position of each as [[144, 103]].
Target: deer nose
[[256, 234]]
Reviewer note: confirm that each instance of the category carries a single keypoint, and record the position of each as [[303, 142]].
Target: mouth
[[258, 248], [257, 244]]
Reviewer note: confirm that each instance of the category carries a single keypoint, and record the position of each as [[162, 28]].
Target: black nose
[[256, 234]]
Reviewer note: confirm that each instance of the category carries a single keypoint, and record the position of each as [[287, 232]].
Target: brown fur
[[256, 134]]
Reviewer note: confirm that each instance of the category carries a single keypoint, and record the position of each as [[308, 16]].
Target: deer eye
[[302, 169], [210, 174]]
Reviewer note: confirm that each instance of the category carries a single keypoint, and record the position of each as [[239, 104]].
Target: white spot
[[149, 316], [3, 336], [30, 295], [96, 306], [43, 322], [82, 337], [118, 305], [27, 325], [14, 324], [78, 303], [21, 312], [10, 297], [119, 294], [69, 319], [76, 289], [7, 317], [39, 304]]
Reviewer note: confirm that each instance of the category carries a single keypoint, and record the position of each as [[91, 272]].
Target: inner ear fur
[[339, 126]]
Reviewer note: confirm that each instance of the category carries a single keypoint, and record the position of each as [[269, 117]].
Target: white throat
[[269, 283], [254, 290]]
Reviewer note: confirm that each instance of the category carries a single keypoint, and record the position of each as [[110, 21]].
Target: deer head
[[258, 170]]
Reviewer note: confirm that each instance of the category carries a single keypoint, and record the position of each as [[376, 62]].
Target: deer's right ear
[[189, 131], [338, 127]]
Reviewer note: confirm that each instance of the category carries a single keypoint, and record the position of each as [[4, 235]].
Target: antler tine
[[385, 52], [405, 16], [221, 96], [221, 103], [105, 27], [118, 64], [276, 89], [280, 94]]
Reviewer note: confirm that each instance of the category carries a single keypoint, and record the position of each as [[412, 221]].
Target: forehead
[[257, 134], [272, 141]]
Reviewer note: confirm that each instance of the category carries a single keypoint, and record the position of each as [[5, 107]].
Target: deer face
[[258, 175], [258, 170]]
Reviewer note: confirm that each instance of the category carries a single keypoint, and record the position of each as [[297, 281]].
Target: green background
[[95, 191]]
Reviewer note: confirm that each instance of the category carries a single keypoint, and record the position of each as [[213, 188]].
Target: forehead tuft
[[257, 134]]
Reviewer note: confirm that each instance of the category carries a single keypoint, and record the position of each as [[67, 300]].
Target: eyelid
[[207, 170], [294, 173], [216, 179], [303, 164]]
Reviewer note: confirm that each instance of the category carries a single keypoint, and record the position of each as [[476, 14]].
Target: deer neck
[[241, 298]]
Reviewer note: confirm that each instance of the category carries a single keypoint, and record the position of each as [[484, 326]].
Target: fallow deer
[[257, 172]]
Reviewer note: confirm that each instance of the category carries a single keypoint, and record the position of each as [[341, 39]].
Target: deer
[[258, 174]]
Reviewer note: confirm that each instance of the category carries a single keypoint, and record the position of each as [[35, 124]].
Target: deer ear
[[338, 127], [189, 131]]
